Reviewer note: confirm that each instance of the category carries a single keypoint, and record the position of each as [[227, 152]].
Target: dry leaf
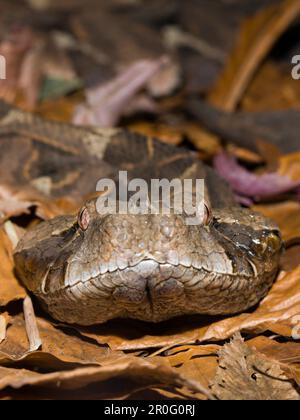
[[10, 288], [60, 350], [165, 133], [144, 372], [256, 38], [261, 95], [244, 374], [13, 203], [195, 362], [289, 165], [203, 140], [286, 215], [285, 353], [16, 203]]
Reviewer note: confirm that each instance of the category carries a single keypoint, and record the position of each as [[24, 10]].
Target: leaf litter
[[248, 356]]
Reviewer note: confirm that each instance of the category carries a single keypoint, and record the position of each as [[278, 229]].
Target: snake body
[[90, 268]]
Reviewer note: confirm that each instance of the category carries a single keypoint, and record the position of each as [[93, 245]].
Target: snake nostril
[[274, 243], [271, 243]]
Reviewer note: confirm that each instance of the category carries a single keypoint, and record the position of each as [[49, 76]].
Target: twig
[[32, 330], [176, 37], [3, 325], [12, 233]]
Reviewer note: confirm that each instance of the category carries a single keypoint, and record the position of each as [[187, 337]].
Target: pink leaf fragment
[[108, 102], [249, 185]]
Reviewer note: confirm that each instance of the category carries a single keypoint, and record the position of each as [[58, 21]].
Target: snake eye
[[84, 219]]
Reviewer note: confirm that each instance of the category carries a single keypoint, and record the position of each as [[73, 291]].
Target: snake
[[90, 267]]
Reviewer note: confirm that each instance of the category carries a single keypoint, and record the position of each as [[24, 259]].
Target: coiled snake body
[[90, 268]]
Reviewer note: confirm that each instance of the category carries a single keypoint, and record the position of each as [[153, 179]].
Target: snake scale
[[90, 268]]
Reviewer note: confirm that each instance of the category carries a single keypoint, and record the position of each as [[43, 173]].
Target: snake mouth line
[[151, 271]]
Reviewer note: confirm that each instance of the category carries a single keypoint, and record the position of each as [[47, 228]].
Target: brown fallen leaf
[[10, 288], [244, 155], [261, 95], [60, 109], [289, 165], [13, 203], [286, 215], [170, 135], [144, 372], [285, 353], [60, 350], [291, 257], [245, 374], [207, 143], [256, 38], [16, 203], [195, 362]]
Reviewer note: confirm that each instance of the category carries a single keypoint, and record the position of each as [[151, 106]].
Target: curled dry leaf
[[143, 372], [287, 354], [256, 38], [207, 143], [245, 374], [60, 350], [16, 203], [289, 165], [10, 288], [261, 95], [170, 135], [286, 215], [196, 362], [13, 203]]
